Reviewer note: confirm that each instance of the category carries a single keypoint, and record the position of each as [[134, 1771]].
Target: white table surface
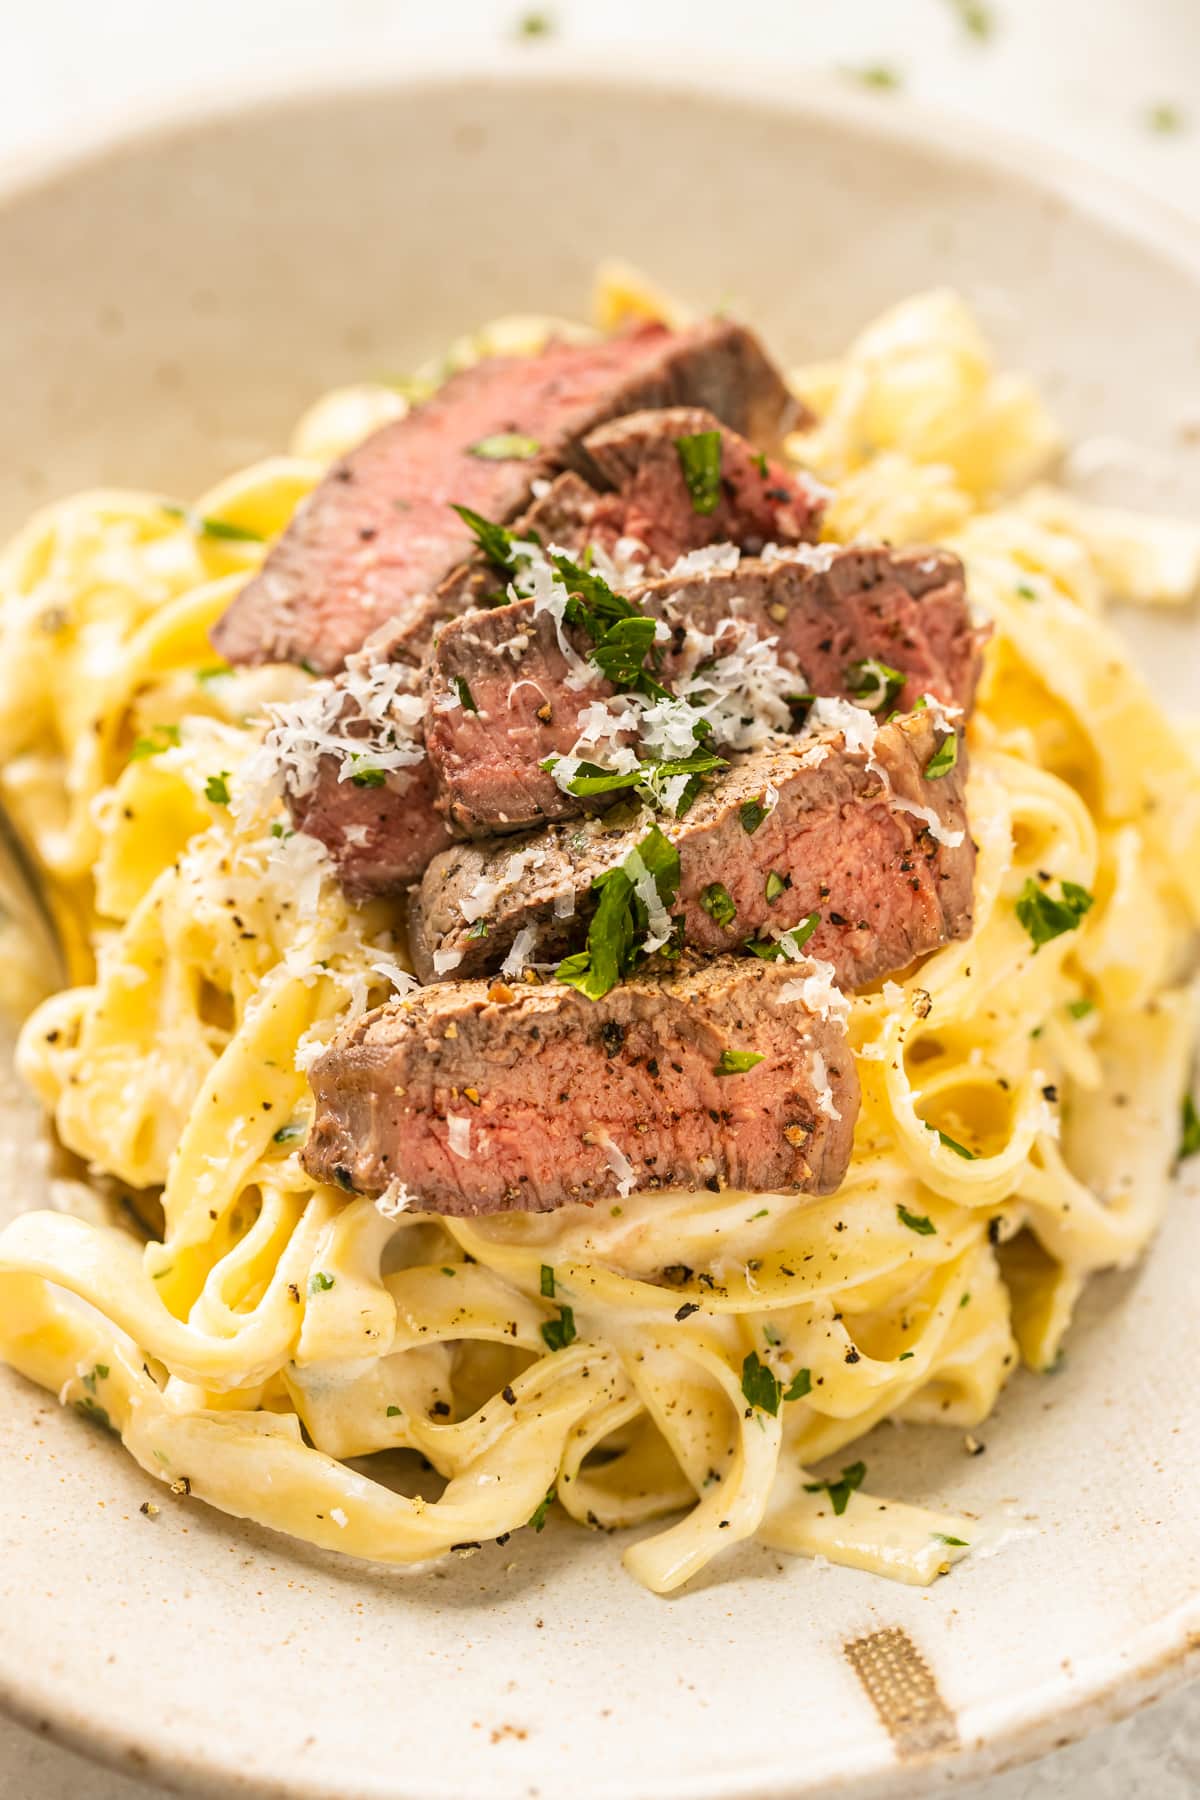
[[1081, 75]]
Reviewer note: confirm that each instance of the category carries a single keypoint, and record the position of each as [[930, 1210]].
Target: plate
[[169, 306]]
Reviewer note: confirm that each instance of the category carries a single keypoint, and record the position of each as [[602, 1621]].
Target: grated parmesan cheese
[[657, 916], [521, 953], [821, 1083], [370, 718], [818, 557], [620, 1165], [714, 559], [458, 1135], [394, 1200], [445, 960], [817, 991]]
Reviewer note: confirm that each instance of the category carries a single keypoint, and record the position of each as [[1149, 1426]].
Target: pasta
[[675, 1354]]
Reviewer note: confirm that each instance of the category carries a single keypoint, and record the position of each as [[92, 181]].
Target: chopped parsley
[[204, 676], [539, 1518], [365, 776], [534, 25], [949, 1143], [761, 1386], [736, 1062], [954, 1543], [560, 1332], [621, 635], [873, 684], [319, 1282], [393, 1412], [1045, 918], [877, 75], [771, 949], [799, 1386], [212, 528], [506, 446], [776, 884], [479, 929], [649, 779], [496, 541], [289, 1133], [943, 758], [700, 460], [1189, 1141], [1026, 591], [852, 1477], [159, 738], [216, 788], [1164, 118], [620, 922], [91, 1409], [547, 1281], [975, 18], [1079, 1009], [752, 813], [918, 1222], [465, 697], [717, 902]]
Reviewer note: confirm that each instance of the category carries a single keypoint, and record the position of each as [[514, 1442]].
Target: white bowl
[[168, 307]]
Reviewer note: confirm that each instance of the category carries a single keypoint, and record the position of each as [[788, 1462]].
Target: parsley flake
[[1189, 1142], [505, 446], [918, 1222], [955, 1543], [560, 1332], [160, 738], [873, 684], [700, 460], [852, 1477], [539, 1518], [1045, 918], [547, 1281], [949, 1143], [943, 758], [736, 1062], [717, 902], [761, 1386], [752, 813], [216, 788], [799, 1386], [620, 922], [365, 776], [776, 885], [320, 1282], [465, 697], [201, 526], [771, 949]]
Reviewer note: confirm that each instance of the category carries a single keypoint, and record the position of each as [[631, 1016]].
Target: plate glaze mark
[[901, 1688]]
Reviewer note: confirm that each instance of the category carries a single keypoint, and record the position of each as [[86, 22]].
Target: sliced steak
[[647, 515], [379, 531], [858, 835], [481, 1099], [380, 837], [906, 609]]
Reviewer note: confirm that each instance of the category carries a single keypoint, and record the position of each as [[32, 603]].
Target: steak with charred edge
[[545, 1080], [647, 502], [837, 843], [379, 533], [905, 608]]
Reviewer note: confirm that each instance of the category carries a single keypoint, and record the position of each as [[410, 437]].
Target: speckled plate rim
[[1160, 1658]]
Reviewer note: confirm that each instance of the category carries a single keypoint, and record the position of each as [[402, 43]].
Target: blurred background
[[1114, 82]]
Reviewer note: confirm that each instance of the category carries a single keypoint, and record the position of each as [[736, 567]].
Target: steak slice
[[827, 612], [858, 835], [646, 517], [379, 532], [481, 1099]]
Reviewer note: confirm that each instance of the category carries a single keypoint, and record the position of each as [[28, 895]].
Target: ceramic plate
[[168, 307]]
